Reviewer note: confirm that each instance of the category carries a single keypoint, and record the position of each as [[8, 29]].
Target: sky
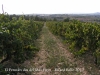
[[50, 6]]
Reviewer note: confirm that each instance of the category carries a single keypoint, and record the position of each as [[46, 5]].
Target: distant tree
[[54, 19], [67, 19], [37, 18]]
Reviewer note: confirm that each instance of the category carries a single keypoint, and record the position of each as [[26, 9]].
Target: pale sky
[[49, 6]]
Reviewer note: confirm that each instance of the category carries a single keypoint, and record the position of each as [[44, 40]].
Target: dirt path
[[54, 58]]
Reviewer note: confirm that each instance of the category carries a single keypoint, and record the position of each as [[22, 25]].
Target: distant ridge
[[97, 13]]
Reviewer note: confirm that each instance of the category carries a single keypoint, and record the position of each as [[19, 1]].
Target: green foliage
[[97, 55], [83, 37], [15, 35], [2, 71], [17, 38]]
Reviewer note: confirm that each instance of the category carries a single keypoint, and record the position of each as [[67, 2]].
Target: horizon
[[58, 13]]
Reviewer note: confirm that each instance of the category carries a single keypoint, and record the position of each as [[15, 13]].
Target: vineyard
[[83, 37], [32, 42], [17, 38]]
